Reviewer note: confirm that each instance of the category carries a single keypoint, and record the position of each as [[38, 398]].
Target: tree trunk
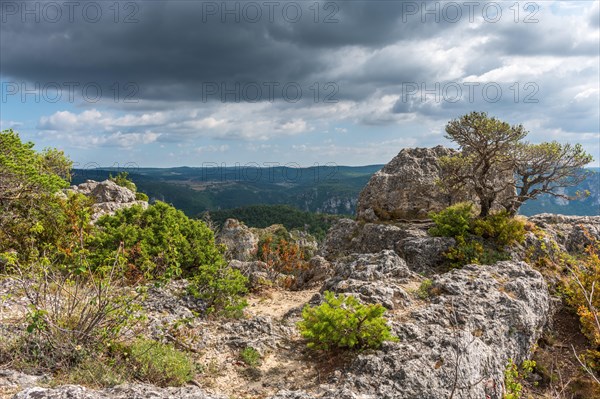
[[486, 206]]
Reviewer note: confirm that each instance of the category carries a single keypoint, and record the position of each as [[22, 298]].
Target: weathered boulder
[[347, 236], [406, 187], [374, 278], [241, 241], [423, 253], [318, 270], [109, 197], [11, 379], [261, 333]]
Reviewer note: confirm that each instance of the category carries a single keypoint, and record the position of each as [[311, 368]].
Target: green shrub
[[221, 287], [581, 295], [284, 259], [250, 356], [71, 315], [159, 364], [342, 322], [424, 290], [141, 197], [502, 228], [159, 242], [513, 378], [454, 221], [271, 240], [122, 179], [478, 240]]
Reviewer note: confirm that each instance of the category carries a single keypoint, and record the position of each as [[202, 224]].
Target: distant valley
[[322, 189]]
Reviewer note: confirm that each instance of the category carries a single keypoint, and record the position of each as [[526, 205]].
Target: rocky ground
[[458, 338], [455, 338]]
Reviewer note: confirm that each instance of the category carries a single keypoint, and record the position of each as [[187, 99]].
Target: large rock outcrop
[[374, 278], [109, 197], [406, 187], [461, 339]]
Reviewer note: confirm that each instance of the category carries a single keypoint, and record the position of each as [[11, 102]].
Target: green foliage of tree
[[342, 322], [483, 167], [495, 161]]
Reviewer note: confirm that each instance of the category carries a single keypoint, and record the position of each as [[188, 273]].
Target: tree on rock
[[484, 165], [494, 159]]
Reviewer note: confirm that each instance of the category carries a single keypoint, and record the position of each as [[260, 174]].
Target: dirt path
[[277, 303]]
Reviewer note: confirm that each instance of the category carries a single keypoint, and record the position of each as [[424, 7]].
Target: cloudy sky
[[171, 83]]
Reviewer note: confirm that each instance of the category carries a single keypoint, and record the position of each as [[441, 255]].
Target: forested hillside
[[323, 189]]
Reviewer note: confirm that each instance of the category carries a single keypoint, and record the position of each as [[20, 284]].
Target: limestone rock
[[406, 187], [424, 254], [573, 233], [347, 236], [373, 278], [318, 271], [133, 391], [241, 242], [109, 197], [10, 379], [485, 314]]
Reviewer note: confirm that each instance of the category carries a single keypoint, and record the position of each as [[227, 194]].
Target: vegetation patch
[[514, 376], [479, 240], [342, 322], [250, 356]]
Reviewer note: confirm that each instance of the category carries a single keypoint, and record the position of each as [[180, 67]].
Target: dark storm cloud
[[176, 50]]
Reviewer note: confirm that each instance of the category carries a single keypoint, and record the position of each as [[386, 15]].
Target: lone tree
[[498, 166]]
